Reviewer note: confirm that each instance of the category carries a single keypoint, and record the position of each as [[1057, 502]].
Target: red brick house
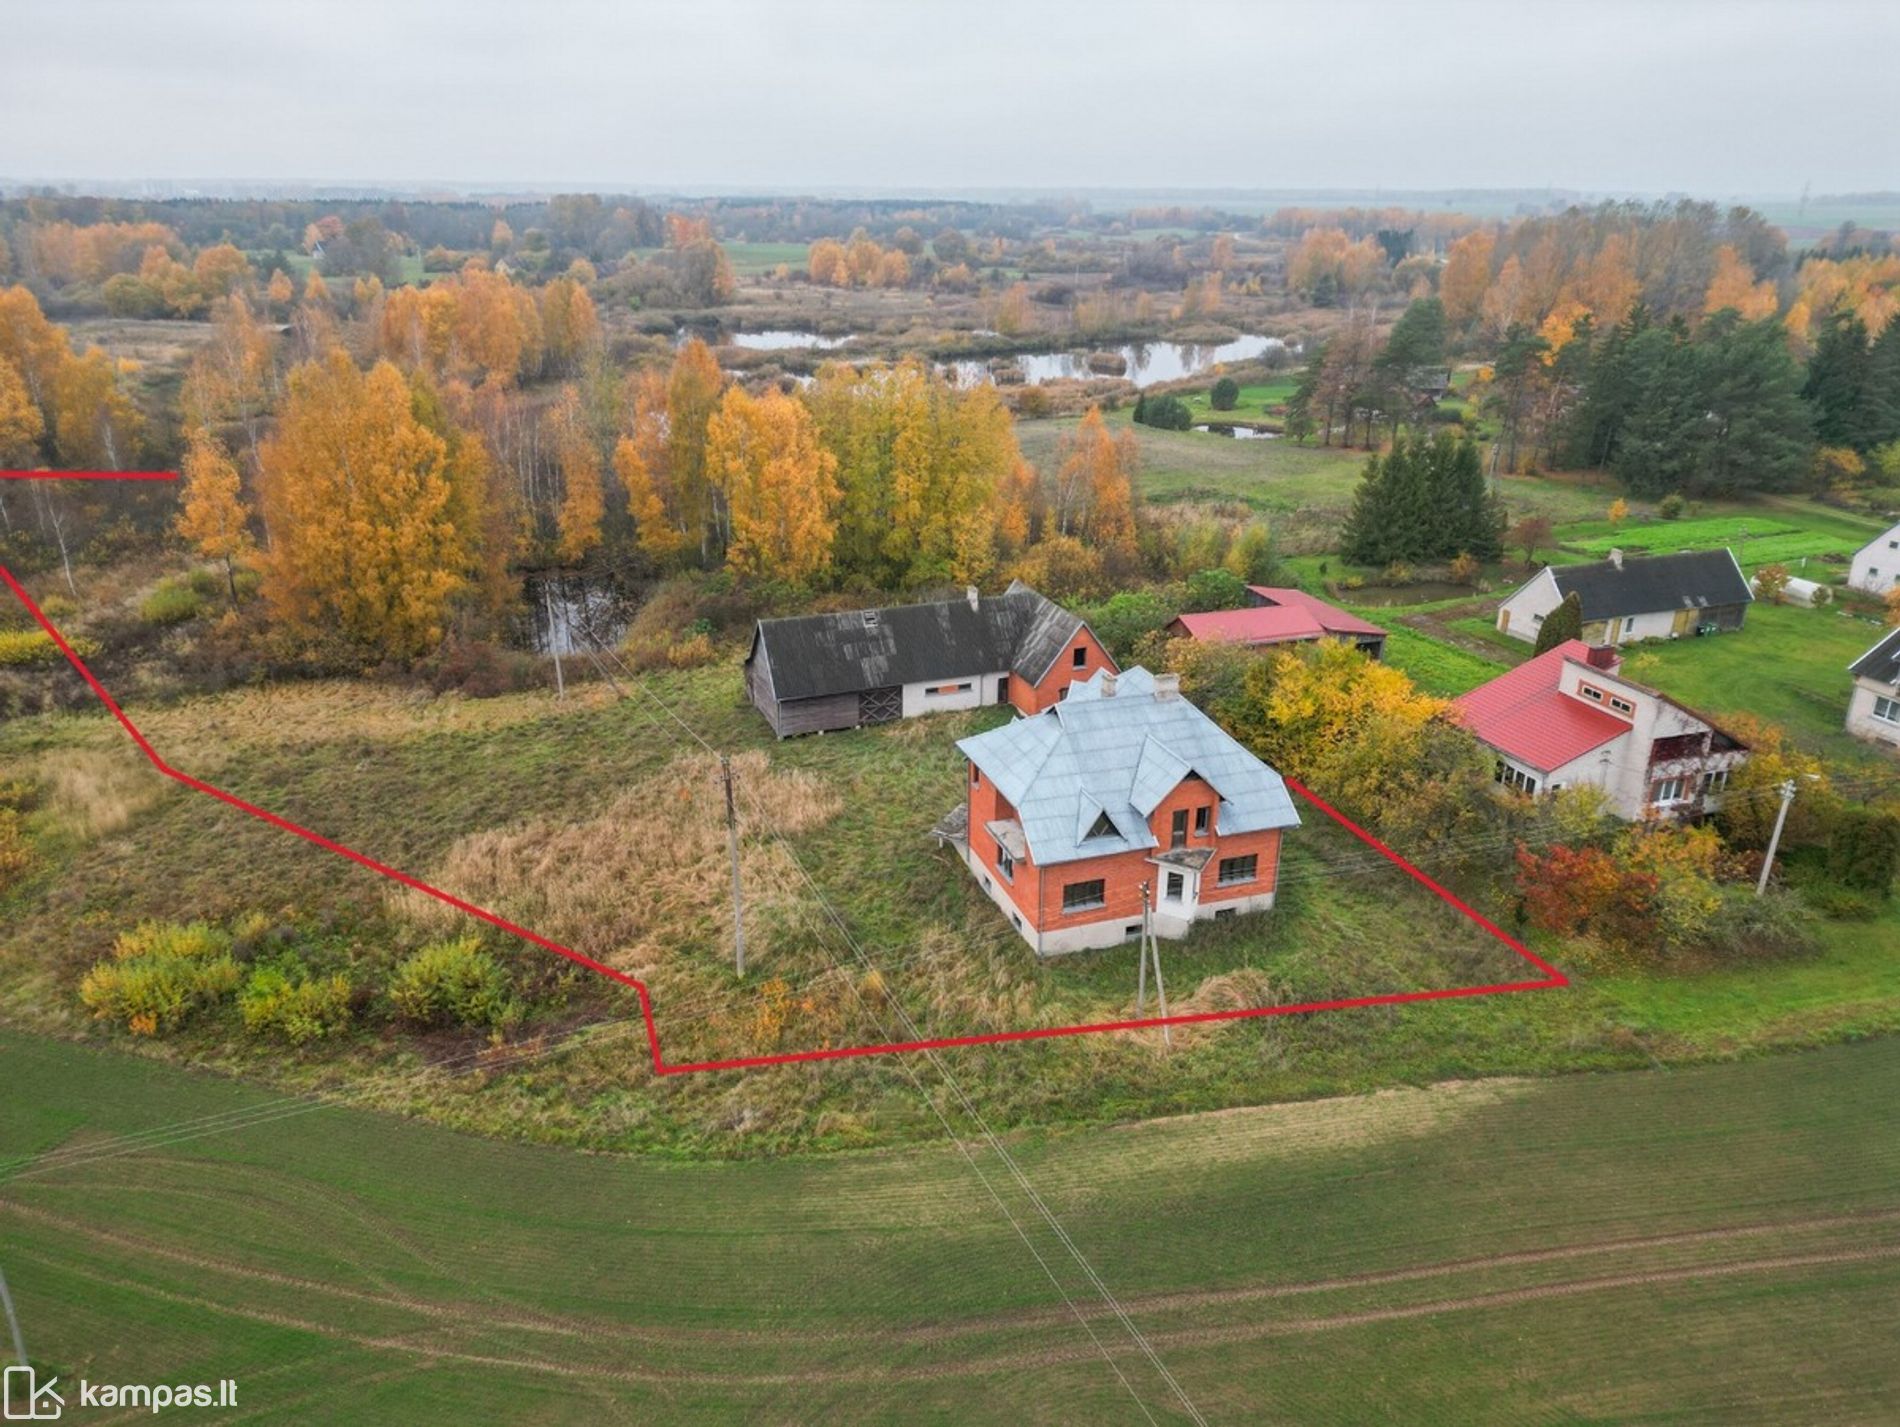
[[1280, 616], [816, 672], [1122, 783]]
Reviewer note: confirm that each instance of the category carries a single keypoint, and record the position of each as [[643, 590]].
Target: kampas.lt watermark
[[30, 1400]]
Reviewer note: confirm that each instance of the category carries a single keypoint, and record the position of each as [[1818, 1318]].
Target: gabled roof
[[814, 655], [1283, 616], [1881, 541], [1523, 714], [1650, 584], [1881, 663], [1113, 753]]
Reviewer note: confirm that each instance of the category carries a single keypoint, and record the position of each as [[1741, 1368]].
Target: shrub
[[16, 853], [1215, 589], [1771, 583], [1168, 413], [1772, 925], [1671, 506], [1863, 850], [1465, 569], [19, 795], [159, 975], [452, 983], [171, 603], [1840, 904], [284, 1000], [1225, 395], [35, 646]]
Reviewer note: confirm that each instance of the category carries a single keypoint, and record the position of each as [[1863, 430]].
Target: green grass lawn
[[1717, 1243], [1437, 667], [1253, 404]]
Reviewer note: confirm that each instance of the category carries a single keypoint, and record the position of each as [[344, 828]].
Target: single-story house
[[1875, 567], [1635, 597], [816, 672], [1873, 709], [1279, 616], [1124, 784], [1568, 717]]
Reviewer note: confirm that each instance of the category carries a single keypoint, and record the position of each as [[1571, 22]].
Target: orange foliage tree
[[778, 484]]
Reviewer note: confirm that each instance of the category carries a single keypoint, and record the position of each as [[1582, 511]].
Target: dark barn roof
[[1649, 584], [814, 655], [1881, 663]]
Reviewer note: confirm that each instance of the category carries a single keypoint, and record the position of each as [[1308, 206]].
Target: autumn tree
[[212, 516], [643, 462], [777, 483], [232, 378], [96, 425], [583, 502], [356, 494], [1094, 498], [570, 328], [692, 395], [1467, 275]]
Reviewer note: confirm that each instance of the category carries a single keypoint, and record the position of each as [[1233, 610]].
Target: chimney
[[970, 594], [1616, 558], [1167, 686], [1108, 684], [1604, 657]]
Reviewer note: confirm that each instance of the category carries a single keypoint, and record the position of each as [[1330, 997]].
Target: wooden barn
[[816, 672]]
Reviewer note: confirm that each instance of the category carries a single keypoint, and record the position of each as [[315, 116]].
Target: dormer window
[[1101, 827]]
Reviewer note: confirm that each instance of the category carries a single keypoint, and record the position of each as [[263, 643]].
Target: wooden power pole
[[1151, 946], [732, 845]]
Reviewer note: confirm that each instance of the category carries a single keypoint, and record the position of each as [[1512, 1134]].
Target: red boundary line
[[1552, 977]]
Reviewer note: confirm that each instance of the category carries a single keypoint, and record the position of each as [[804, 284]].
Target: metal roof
[[1121, 754], [1525, 715], [1881, 663], [1651, 584], [814, 655]]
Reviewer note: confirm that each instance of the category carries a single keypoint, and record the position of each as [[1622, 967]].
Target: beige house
[[1630, 597], [1873, 709]]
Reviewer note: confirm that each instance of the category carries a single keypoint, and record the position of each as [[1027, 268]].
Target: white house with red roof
[[1280, 616], [1568, 717]]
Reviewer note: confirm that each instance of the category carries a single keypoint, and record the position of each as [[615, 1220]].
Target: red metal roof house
[[1275, 615]]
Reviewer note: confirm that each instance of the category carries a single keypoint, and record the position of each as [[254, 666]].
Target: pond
[[1142, 363], [785, 339], [567, 613], [1240, 433]]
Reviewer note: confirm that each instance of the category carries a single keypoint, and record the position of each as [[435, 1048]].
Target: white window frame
[[1889, 714], [1664, 798], [1516, 779]]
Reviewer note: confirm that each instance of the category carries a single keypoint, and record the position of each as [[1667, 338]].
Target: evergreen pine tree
[[1839, 374], [1562, 623]]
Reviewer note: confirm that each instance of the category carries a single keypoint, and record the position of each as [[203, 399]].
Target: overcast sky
[[1712, 96]]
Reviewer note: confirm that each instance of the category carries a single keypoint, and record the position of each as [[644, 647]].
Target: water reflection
[[1144, 363], [567, 613]]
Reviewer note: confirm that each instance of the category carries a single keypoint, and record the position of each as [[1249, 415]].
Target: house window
[[1132, 929], [870, 619], [1591, 692], [1200, 822], [1235, 870], [1002, 690], [1668, 790], [1081, 656], [976, 776], [1623, 706], [1887, 710], [947, 689], [1629, 625], [1176, 887], [1178, 835], [1714, 781], [1223, 913], [1081, 896], [1513, 778], [1061, 694], [1005, 864]]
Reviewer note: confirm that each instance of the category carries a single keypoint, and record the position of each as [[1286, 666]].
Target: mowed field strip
[[1714, 1243]]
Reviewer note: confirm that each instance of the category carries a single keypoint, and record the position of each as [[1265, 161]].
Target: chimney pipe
[[1604, 657], [1167, 686], [970, 594], [1108, 684]]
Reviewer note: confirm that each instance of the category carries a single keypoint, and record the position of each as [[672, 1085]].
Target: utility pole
[[13, 1322], [1151, 946], [732, 844], [554, 643], [1774, 838]]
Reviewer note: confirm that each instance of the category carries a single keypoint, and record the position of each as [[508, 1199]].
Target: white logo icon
[[27, 1399]]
